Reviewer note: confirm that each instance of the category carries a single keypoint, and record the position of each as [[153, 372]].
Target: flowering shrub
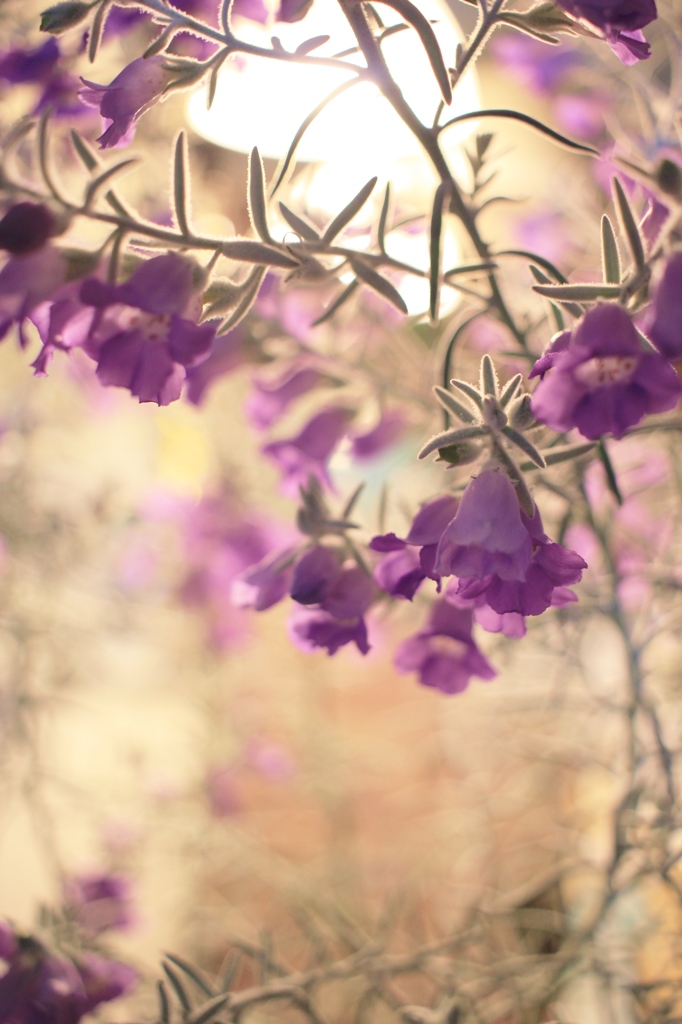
[[316, 307]]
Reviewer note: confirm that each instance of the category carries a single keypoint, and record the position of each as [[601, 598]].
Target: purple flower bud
[[131, 93], [314, 573], [444, 653], [604, 382], [666, 330], [314, 628], [26, 227], [487, 535], [307, 453]]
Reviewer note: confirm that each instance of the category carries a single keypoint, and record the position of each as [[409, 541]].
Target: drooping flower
[[444, 653], [63, 323], [307, 454], [602, 381], [620, 22], [486, 535], [552, 567], [40, 987], [132, 92], [403, 569], [271, 398], [313, 628], [666, 329], [264, 584], [100, 902], [26, 282], [386, 432], [145, 335]]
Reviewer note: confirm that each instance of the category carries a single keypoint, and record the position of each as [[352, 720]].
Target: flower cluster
[[40, 986]]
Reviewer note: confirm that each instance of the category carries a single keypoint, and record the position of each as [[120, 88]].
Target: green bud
[[520, 413], [669, 178], [459, 454], [64, 16]]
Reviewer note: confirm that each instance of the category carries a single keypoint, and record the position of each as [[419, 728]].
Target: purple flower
[[46, 988], [308, 453], [444, 653], [319, 578], [100, 902], [104, 979], [26, 228], [487, 535], [314, 628], [629, 47], [612, 15], [552, 566], [37, 65], [26, 282], [131, 93], [63, 323], [271, 398], [382, 436], [403, 570], [558, 344], [145, 335], [604, 382], [229, 352], [254, 10], [666, 330], [264, 584]]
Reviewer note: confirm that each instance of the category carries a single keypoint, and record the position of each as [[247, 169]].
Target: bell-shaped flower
[[132, 92], [26, 282], [308, 453], [604, 382], [487, 535], [145, 335], [403, 569], [444, 653], [619, 21], [313, 629]]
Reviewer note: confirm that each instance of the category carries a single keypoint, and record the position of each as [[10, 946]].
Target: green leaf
[[450, 437], [422, 26], [64, 16], [515, 115], [524, 444], [258, 211], [88, 157], [349, 211], [251, 287], [488, 377], [246, 250], [629, 224], [555, 456], [449, 402], [300, 226], [610, 257], [97, 29], [339, 301], [96, 184], [578, 292], [379, 284], [469, 390], [310, 44], [304, 127], [191, 972], [572, 307], [611, 478], [383, 218], [164, 1005], [209, 1009], [161, 41], [178, 987], [181, 185], [435, 253], [509, 390]]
